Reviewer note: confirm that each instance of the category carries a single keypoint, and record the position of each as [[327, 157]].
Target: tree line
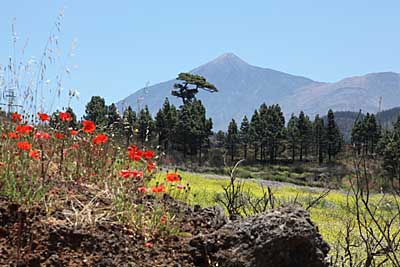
[[270, 139], [185, 132]]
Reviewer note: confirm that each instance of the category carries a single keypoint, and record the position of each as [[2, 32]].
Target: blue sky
[[122, 45]]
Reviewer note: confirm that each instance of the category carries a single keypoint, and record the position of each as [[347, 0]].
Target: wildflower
[[137, 174], [43, 117], [148, 154], [42, 135], [163, 219], [148, 245], [13, 135], [158, 189], [24, 145], [142, 189], [74, 132], [134, 153], [125, 173], [88, 126], [151, 166], [2, 164], [65, 116], [59, 135], [173, 177], [100, 138], [35, 154], [24, 129], [16, 117]]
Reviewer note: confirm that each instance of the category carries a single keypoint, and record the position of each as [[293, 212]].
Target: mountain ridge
[[243, 87]]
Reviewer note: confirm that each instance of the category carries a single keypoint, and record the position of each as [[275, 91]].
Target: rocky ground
[[32, 237]]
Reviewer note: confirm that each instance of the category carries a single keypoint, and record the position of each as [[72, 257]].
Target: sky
[[123, 45]]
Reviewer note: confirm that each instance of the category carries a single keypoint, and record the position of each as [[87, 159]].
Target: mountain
[[388, 117], [243, 87], [366, 92], [346, 119]]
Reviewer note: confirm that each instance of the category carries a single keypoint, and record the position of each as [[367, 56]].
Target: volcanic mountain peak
[[229, 57], [243, 87]]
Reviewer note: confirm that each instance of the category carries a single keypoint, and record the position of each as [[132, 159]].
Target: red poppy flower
[[16, 117], [24, 129], [158, 189], [151, 166], [88, 126], [59, 135], [74, 132], [125, 173], [137, 174], [13, 135], [142, 189], [100, 138], [42, 135], [43, 117], [35, 154], [173, 177], [148, 154], [134, 153], [132, 147], [65, 116], [24, 145]]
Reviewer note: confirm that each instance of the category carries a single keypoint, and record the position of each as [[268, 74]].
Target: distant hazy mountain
[[243, 87], [345, 120], [350, 94]]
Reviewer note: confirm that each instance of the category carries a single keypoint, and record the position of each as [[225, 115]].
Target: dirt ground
[[33, 237]]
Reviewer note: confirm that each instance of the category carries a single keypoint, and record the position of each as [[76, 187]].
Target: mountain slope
[[243, 87], [350, 94]]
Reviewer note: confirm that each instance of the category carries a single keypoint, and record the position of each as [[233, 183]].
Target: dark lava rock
[[284, 237]]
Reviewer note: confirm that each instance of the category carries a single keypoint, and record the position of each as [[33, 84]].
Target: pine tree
[[183, 129], [372, 133], [365, 134], [145, 125], [193, 129], [358, 135], [254, 133], [202, 128], [190, 85], [262, 129], [390, 150], [96, 111], [293, 135], [334, 140], [114, 125], [129, 122], [275, 131], [220, 139], [319, 138], [232, 139], [165, 122], [305, 134], [244, 135]]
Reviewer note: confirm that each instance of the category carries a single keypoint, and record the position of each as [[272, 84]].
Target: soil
[[35, 236]]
